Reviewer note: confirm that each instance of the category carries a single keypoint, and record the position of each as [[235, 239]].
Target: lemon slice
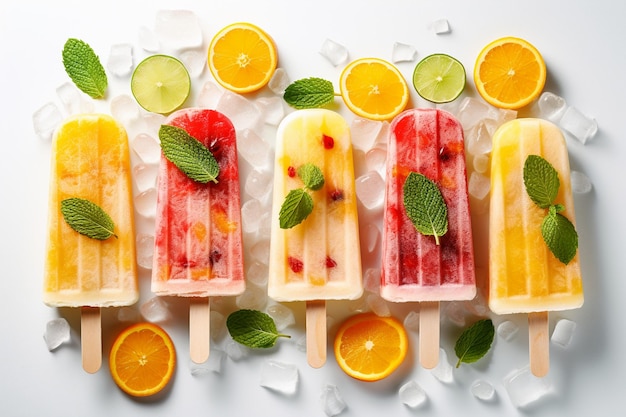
[[439, 78], [160, 84]]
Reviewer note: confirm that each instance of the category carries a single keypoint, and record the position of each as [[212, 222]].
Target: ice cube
[[370, 190], [253, 148], [364, 132], [145, 176], [250, 215], [145, 250], [403, 52], [260, 251], [46, 119], [124, 108], [579, 125], [332, 401], [194, 61], [147, 148], [370, 237], [371, 280], [243, 113], [282, 315], [155, 310], [478, 185], [152, 123], [145, 203], [236, 351], [378, 305], [455, 313], [218, 326], [443, 371], [265, 225], [483, 390], [279, 376], [376, 159], [258, 184], [73, 100], [334, 52], [178, 29], [147, 40], [440, 26], [563, 332], [478, 138], [214, 364], [120, 62], [507, 330], [209, 96], [581, 184], [524, 388], [480, 163], [412, 321], [272, 109], [57, 332], [551, 106], [128, 314], [253, 298], [301, 343], [471, 111], [412, 394], [279, 81]]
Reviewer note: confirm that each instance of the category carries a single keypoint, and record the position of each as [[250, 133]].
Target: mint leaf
[[253, 328], [541, 180], [309, 93], [474, 342], [312, 176], [190, 156], [425, 206], [87, 218], [560, 235], [297, 206], [84, 68]]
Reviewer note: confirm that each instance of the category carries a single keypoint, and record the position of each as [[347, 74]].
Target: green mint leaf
[[297, 206], [253, 328], [87, 218], [474, 342], [425, 206], [541, 180], [84, 68], [560, 235], [190, 156], [312, 176], [309, 93]]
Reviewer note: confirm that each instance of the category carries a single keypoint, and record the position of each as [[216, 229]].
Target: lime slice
[[439, 78], [160, 84]]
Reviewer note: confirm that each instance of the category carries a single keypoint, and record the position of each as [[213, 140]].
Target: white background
[[582, 43]]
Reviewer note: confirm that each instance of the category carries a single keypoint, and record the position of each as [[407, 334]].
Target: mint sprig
[[84, 68], [298, 203], [474, 342], [309, 93], [253, 328], [87, 218], [190, 156], [542, 185], [425, 206]]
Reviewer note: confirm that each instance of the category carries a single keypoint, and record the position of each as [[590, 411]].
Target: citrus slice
[[373, 88], [369, 347], [439, 78], [160, 84], [142, 359], [242, 57], [509, 73]]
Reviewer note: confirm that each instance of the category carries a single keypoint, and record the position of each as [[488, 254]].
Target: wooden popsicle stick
[[91, 338], [429, 334], [199, 329], [539, 343], [316, 333]]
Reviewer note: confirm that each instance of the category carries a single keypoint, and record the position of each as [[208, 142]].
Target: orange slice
[[242, 57], [369, 347], [373, 88], [142, 359], [509, 73]]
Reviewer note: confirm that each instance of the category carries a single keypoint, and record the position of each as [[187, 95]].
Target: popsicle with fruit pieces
[[427, 252], [314, 253], [90, 254], [534, 265], [198, 241]]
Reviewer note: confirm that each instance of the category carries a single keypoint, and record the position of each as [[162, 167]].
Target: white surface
[[582, 43]]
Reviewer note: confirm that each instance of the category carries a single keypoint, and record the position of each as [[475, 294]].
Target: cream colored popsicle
[[525, 276], [319, 258], [90, 160], [198, 242], [418, 267]]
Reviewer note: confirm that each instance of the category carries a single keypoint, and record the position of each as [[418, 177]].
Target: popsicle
[[198, 243], [90, 162], [317, 259], [525, 275], [426, 147]]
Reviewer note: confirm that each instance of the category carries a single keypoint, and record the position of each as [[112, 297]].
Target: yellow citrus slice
[[373, 88], [142, 359], [160, 84], [242, 57], [369, 347], [509, 73]]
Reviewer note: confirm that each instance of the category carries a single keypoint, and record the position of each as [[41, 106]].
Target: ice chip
[[581, 184], [412, 321], [120, 62], [579, 125], [145, 250], [370, 237], [73, 100], [272, 109], [471, 111], [551, 106], [524, 388], [145, 203], [478, 185], [258, 184], [148, 40], [334, 52], [403, 52], [507, 330], [145, 176], [253, 298], [214, 364], [124, 108], [243, 113], [480, 163], [483, 390], [371, 280], [370, 190], [412, 394], [332, 400], [280, 377], [218, 326], [260, 251], [253, 148], [57, 332], [376, 159], [236, 351], [478, 138], [153, 122], [250, 215], [178, 29], [563, 332], [279, 81], [364, 132], [194, 62], [282, 315], [147, 148], [46, 119], [455, 313], [209, 96], [441, 26], [443, 371], [155, 310], [378, 305]]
